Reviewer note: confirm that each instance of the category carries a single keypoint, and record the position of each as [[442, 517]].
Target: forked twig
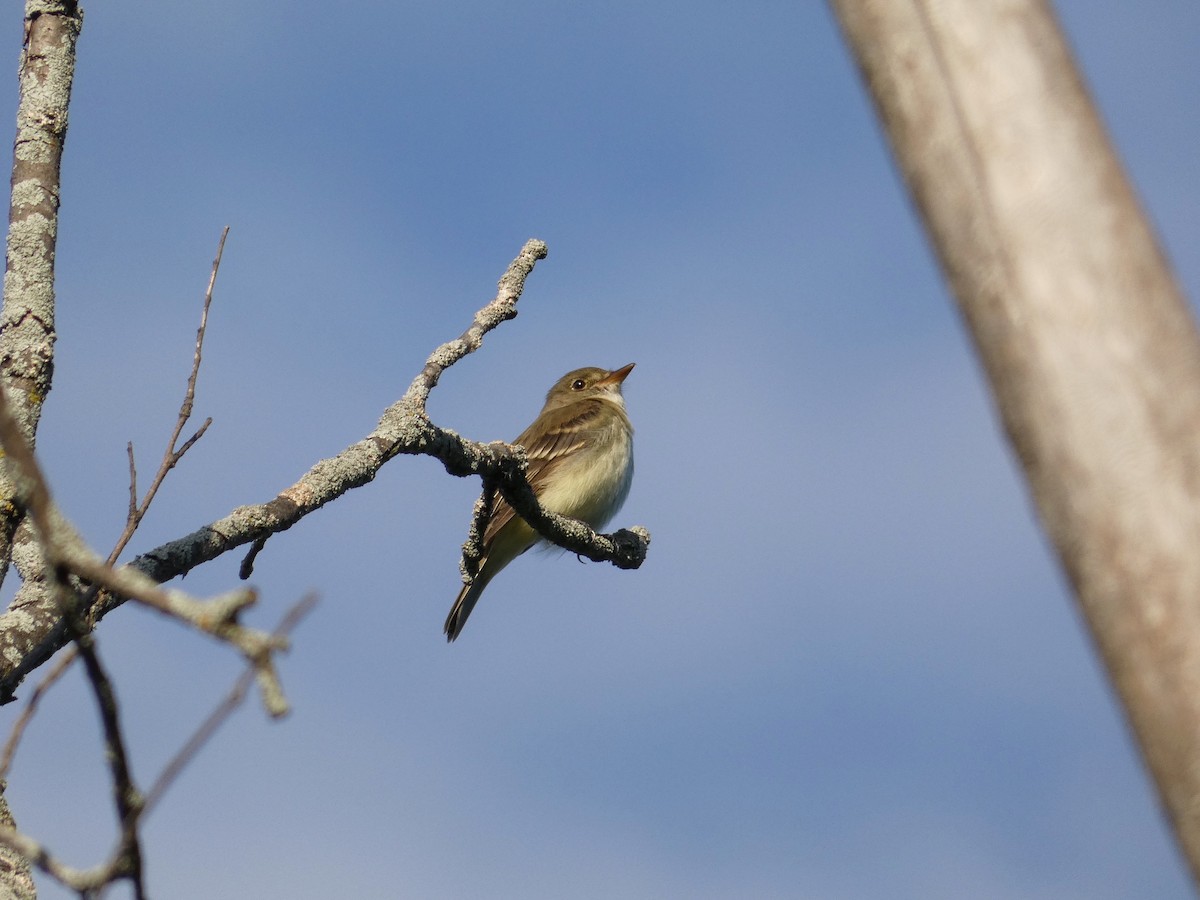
[[136, 511], [173, 454], [59, 545], [222, 712]]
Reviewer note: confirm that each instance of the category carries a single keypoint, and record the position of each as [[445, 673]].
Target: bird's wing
[[547, 442]]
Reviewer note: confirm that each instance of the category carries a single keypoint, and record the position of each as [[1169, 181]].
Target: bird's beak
[[616, 376]]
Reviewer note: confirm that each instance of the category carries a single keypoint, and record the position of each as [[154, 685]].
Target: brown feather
[[558, 439]]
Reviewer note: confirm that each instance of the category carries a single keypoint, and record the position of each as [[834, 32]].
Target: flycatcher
[[580, 452]]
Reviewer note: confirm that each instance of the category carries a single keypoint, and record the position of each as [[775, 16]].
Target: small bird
[[580, 452]]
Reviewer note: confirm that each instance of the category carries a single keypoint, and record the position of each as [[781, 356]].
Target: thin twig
[[31, 707], [173, 454], [31, 485], [126, 798], [64, 550], [133, 494], [216, 616], [246, 569], [65, 556], [41, 514], [222, 712], [134, 515], [83, 881]]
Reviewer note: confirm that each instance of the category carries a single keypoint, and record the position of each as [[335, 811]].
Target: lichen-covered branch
[[31, 631], [16, 872], [46, 73]]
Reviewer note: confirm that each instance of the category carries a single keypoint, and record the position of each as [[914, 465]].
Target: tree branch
[[1089, 345], [67, 558], [221, 714], [65, 553], [136, 513], [31, 632], [47, 71], [16, 872], [174, 451]]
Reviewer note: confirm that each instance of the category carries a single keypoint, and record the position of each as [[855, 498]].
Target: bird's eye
[[578, 384]]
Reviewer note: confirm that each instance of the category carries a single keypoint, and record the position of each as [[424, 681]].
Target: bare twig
[[125, 862], [67, 557], [64, 550], [223, 711], [136, 512], [34, 495], [174, 452], [133, 494], [246, 569], [26, 362], [216, 616], [82, 881], [85, 882], [127, 857]]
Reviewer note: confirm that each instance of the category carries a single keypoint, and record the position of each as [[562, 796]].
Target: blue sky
[[848, 669]]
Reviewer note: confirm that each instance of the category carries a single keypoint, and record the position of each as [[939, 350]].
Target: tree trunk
[[1089, 346]]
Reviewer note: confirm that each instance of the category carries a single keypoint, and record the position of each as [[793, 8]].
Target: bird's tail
[[467, 598]]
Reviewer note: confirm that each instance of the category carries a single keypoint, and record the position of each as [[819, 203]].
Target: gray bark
[[1089, 346]]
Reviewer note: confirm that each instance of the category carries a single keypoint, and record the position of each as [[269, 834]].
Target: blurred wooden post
[[1090, 348]]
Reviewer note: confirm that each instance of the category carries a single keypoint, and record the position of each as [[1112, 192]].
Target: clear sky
[[848, 669]]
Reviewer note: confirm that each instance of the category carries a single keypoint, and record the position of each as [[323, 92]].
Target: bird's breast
[[594, 481]]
